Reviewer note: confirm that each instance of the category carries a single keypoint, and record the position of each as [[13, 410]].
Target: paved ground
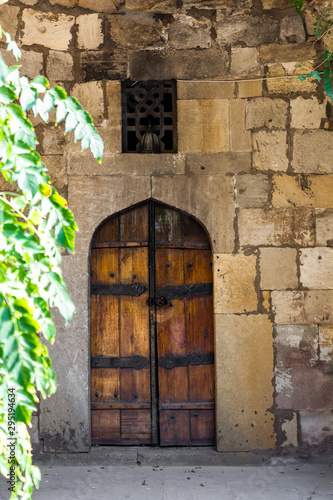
[[292, 482]]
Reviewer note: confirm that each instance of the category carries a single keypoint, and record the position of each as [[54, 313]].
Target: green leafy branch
[[35, 223]]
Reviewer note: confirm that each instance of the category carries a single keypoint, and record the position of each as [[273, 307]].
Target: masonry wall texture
[[254, 165]]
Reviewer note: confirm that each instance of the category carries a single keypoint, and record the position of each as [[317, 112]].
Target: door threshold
[[151, 456]]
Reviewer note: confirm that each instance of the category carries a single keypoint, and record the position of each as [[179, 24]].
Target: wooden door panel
[[104, 329], [174, 428], [201, 381], [199, 324], [169, 267], [168, 225], [202, 427], [108, 231], [171, 329], [135, 427], [104, 263], [197, 266], [105, 384], [135, 385], [105, 427], [134, 225], [173, 385]]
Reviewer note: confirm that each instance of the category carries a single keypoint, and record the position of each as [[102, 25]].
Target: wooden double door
[[152, 347]]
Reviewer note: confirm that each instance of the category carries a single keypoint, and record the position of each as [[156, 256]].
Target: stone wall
[[254, 165]]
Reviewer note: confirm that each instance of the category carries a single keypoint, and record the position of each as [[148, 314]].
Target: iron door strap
[[193, 359], [173, 292], [135, 362], [133, 290]]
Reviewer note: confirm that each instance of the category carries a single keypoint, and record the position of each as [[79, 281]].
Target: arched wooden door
[[152, 348]]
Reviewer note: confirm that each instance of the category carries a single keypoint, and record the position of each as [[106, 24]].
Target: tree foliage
[[35, 223]]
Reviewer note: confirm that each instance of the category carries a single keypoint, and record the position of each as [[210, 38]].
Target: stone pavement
[[65, 478]]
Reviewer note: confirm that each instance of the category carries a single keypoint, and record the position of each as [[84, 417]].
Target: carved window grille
[[149, 105]]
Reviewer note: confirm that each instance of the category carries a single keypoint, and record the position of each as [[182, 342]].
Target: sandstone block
[[52, 140], [160, 6], [205, 120], [243, 343], [131, 165], [189, 33], [205, 90], [316, 427], [276, 227], [135, 31], [9, 19], [270, 151], [275, 4], [105, 6], [113, 103], [91, 96], [218, 163], [240, 138], [216, 4], [282, 78], [252, 191], [302, 191], [244, 61], [307, 113], [317, 268], [104, 65], [31, 62], [90, 35], [51, 30], [314, 306], [64, 3], [251, 30], [250, 89], [304, 388], [326, 343], [277, 52], [30, 2], [313, 152], [59, 66], [234, 283], [57, 169], [324, 228], [309, 20], [296, 345], [263, 112], [111, 137], [197, 194], [292, 30], [178, 64], [278, 269]]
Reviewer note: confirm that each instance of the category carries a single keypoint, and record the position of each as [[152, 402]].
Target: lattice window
[[149, 107]]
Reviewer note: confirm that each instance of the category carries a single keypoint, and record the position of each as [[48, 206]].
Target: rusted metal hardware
[[133, 290], [176, 292], [159, 301], [135, 362], [193, 359]]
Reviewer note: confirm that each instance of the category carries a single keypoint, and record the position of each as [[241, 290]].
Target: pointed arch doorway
[[152, 347]]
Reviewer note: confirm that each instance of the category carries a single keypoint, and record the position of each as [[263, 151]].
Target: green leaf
[[40, 83], [70, 123], [7, 95], [96, 146], [66, 237], [22, 414], [3, 70], [58, 93], [28, 324], [6, 324], [61, 112], [28, 98]]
